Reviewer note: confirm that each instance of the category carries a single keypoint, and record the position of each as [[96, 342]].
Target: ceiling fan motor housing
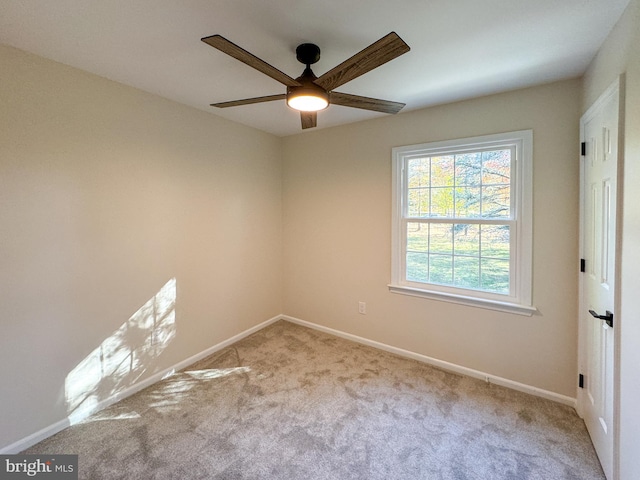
[[307, 89]]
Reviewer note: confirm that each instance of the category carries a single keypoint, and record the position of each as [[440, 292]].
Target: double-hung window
[[462, 221]]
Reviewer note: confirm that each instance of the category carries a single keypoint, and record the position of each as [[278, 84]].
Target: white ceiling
[[459, 49]]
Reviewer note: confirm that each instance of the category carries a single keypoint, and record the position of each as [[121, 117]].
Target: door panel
[[599, 129]]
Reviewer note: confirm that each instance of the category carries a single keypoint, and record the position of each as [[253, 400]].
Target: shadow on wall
[[121, 359]]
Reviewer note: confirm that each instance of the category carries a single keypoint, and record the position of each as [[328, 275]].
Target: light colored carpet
[[293, 403]]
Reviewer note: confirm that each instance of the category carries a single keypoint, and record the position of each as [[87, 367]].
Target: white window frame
[[519, 298]]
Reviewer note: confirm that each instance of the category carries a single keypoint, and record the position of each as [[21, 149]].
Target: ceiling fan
[[309, 93]]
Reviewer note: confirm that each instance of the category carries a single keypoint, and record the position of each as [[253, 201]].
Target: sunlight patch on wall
[[122, 358]]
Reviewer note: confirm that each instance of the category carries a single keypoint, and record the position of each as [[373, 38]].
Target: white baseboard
[[78, 416], [34, 438], [452, 367]]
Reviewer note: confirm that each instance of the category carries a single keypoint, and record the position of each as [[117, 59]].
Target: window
[[462, 215]]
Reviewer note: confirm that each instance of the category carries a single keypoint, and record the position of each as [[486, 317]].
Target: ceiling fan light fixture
[[309, 94], [305, 99]]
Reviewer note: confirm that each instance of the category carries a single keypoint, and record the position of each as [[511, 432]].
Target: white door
[[599, 131]]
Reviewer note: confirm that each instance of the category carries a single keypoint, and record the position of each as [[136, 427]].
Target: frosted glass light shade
[[308, 97], [307, 103]]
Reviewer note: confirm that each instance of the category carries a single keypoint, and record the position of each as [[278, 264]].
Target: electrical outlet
[[362, 308]]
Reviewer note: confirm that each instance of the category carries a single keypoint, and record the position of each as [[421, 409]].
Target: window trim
[[519, 300]]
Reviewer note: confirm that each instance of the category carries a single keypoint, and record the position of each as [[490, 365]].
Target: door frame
[[616, 88]]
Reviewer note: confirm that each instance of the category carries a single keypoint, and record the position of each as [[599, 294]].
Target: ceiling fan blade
[[376, 54], [366, 103], [309, 119], [230, 48], [249, 101]]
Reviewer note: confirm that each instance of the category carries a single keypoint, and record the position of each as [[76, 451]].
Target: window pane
[[441, 269], [496, 167], [467, 202], [495, 275], [468, 169], [495, 241], [442, 171], [496, 202], [418, 172], [418, 202], [417, 237], [466, 239], [417, 267], [466, 272], [442, 202], [441, 239]]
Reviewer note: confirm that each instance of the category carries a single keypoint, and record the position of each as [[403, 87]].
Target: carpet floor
[[289, 402]]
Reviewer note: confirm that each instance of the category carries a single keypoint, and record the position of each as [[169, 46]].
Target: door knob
[[607, 317]]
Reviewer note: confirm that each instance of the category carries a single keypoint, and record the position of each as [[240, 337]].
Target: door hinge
[[583, 148], [583, 265], [581, 381]]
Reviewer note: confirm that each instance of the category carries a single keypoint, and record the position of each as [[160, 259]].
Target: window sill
[[465, 300]]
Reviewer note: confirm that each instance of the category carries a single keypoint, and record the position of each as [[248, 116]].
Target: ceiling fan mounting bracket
[[308, 53]]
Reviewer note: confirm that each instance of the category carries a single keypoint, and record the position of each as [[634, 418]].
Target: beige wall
[[611, 60], [337, 214], [621, 54], [106, 194]]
